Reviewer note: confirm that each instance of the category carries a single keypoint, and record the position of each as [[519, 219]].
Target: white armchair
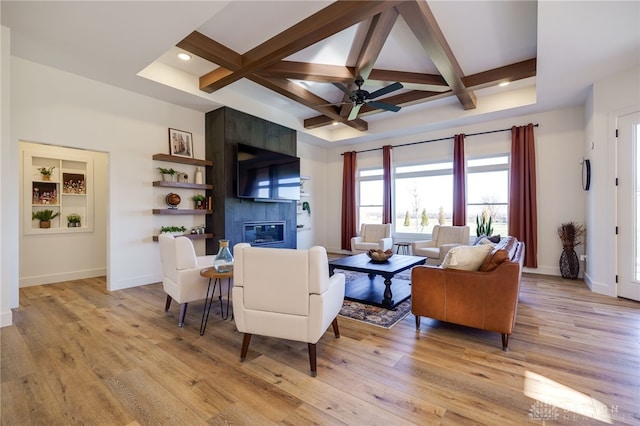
[[285, 293], [443, 239], [181, 269], [372, 236]]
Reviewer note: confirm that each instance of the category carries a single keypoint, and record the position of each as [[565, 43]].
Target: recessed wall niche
[[61, 187]]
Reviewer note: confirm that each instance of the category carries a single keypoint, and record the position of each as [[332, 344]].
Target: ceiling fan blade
[[344, 89], [388, 89], [354, 112], [384, 106]]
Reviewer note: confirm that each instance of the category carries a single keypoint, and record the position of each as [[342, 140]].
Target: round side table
[[403, 247], [217, 278]]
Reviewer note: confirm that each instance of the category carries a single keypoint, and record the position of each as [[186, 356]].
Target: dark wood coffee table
[[377, 288]]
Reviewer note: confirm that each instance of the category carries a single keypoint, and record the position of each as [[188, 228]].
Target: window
[[369, 196], [488, 191], [423, 197]]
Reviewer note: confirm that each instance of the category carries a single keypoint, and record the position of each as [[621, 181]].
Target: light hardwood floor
[[78, 354]]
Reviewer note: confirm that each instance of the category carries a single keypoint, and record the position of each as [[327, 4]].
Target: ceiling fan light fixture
[[184, 56]]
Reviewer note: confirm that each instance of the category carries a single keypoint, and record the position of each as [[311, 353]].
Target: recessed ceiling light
[[184, 56], [503, 84], [335, 123]]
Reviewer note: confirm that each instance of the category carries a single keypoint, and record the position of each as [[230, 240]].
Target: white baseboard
[[6, 319], [133, 282], [56, 278]]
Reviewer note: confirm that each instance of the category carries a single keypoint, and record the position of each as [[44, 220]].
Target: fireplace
[[264, 233]]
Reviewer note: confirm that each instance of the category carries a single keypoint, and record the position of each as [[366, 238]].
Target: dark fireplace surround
[[225, 128]]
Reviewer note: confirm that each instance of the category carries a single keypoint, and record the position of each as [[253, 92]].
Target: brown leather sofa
[[486, 299]]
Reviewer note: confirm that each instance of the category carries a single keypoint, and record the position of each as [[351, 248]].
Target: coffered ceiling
[[281, 60]]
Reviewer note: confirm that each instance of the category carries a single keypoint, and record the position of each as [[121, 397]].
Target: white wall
[[57, 108], [610, 98], [559, 140], [312, 164], [8, 197]]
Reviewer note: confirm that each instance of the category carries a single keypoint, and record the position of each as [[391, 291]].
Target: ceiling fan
[[361, 97]]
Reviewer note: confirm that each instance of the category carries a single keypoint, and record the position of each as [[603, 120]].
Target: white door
[[629, 206]]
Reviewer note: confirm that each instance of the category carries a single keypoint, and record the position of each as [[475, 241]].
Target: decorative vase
[[172, 199], [224, 260], [198, 177], [569, 264]]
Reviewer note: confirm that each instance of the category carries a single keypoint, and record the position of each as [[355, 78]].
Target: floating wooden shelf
[[168, 184], [181, 211], [182, 160], [191, 236]]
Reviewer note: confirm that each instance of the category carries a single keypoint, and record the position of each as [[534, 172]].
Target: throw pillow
[[495, 239], [467, 258], [494, 259]]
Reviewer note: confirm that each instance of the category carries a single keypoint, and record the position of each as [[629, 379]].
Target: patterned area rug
[[374, 315]]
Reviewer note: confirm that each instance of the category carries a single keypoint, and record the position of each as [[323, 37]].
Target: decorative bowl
[[379, 256]]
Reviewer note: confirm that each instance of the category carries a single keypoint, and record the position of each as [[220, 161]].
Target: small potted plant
[[44, 216], [306, 207], [198, 199], [46, 172], [174, 230], [73, 220], [167, 174]]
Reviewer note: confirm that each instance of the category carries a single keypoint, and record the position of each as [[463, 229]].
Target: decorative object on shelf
[[172, 199], [180, 143], [379, 256], [198, 199], [306, 207], [174, 230], [199, 178], [183, 177], [571, 235], [73, 183], [224, 260], [45, 193], [44, 216], [167, 174], [483, 224], [46, 172], [586, 174], [73, 220]]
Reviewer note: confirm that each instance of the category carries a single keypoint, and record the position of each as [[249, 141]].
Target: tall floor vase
[[569, 264]]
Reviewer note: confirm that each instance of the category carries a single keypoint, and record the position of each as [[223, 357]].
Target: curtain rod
[[439, 139]]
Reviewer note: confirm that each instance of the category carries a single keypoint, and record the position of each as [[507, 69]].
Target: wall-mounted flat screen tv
[[267, 175]]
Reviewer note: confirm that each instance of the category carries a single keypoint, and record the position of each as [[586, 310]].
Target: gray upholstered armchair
[[372, 236]]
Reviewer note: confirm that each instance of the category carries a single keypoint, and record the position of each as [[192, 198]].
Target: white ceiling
[[132, 45]]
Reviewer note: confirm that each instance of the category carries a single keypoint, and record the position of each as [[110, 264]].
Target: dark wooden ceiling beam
[[202, 46], [411, 80], [325, 23], [377, 34], [423, 24], [507, 73], [310, 72]]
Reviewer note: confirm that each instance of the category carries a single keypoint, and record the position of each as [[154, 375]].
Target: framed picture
[[180, 143]]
